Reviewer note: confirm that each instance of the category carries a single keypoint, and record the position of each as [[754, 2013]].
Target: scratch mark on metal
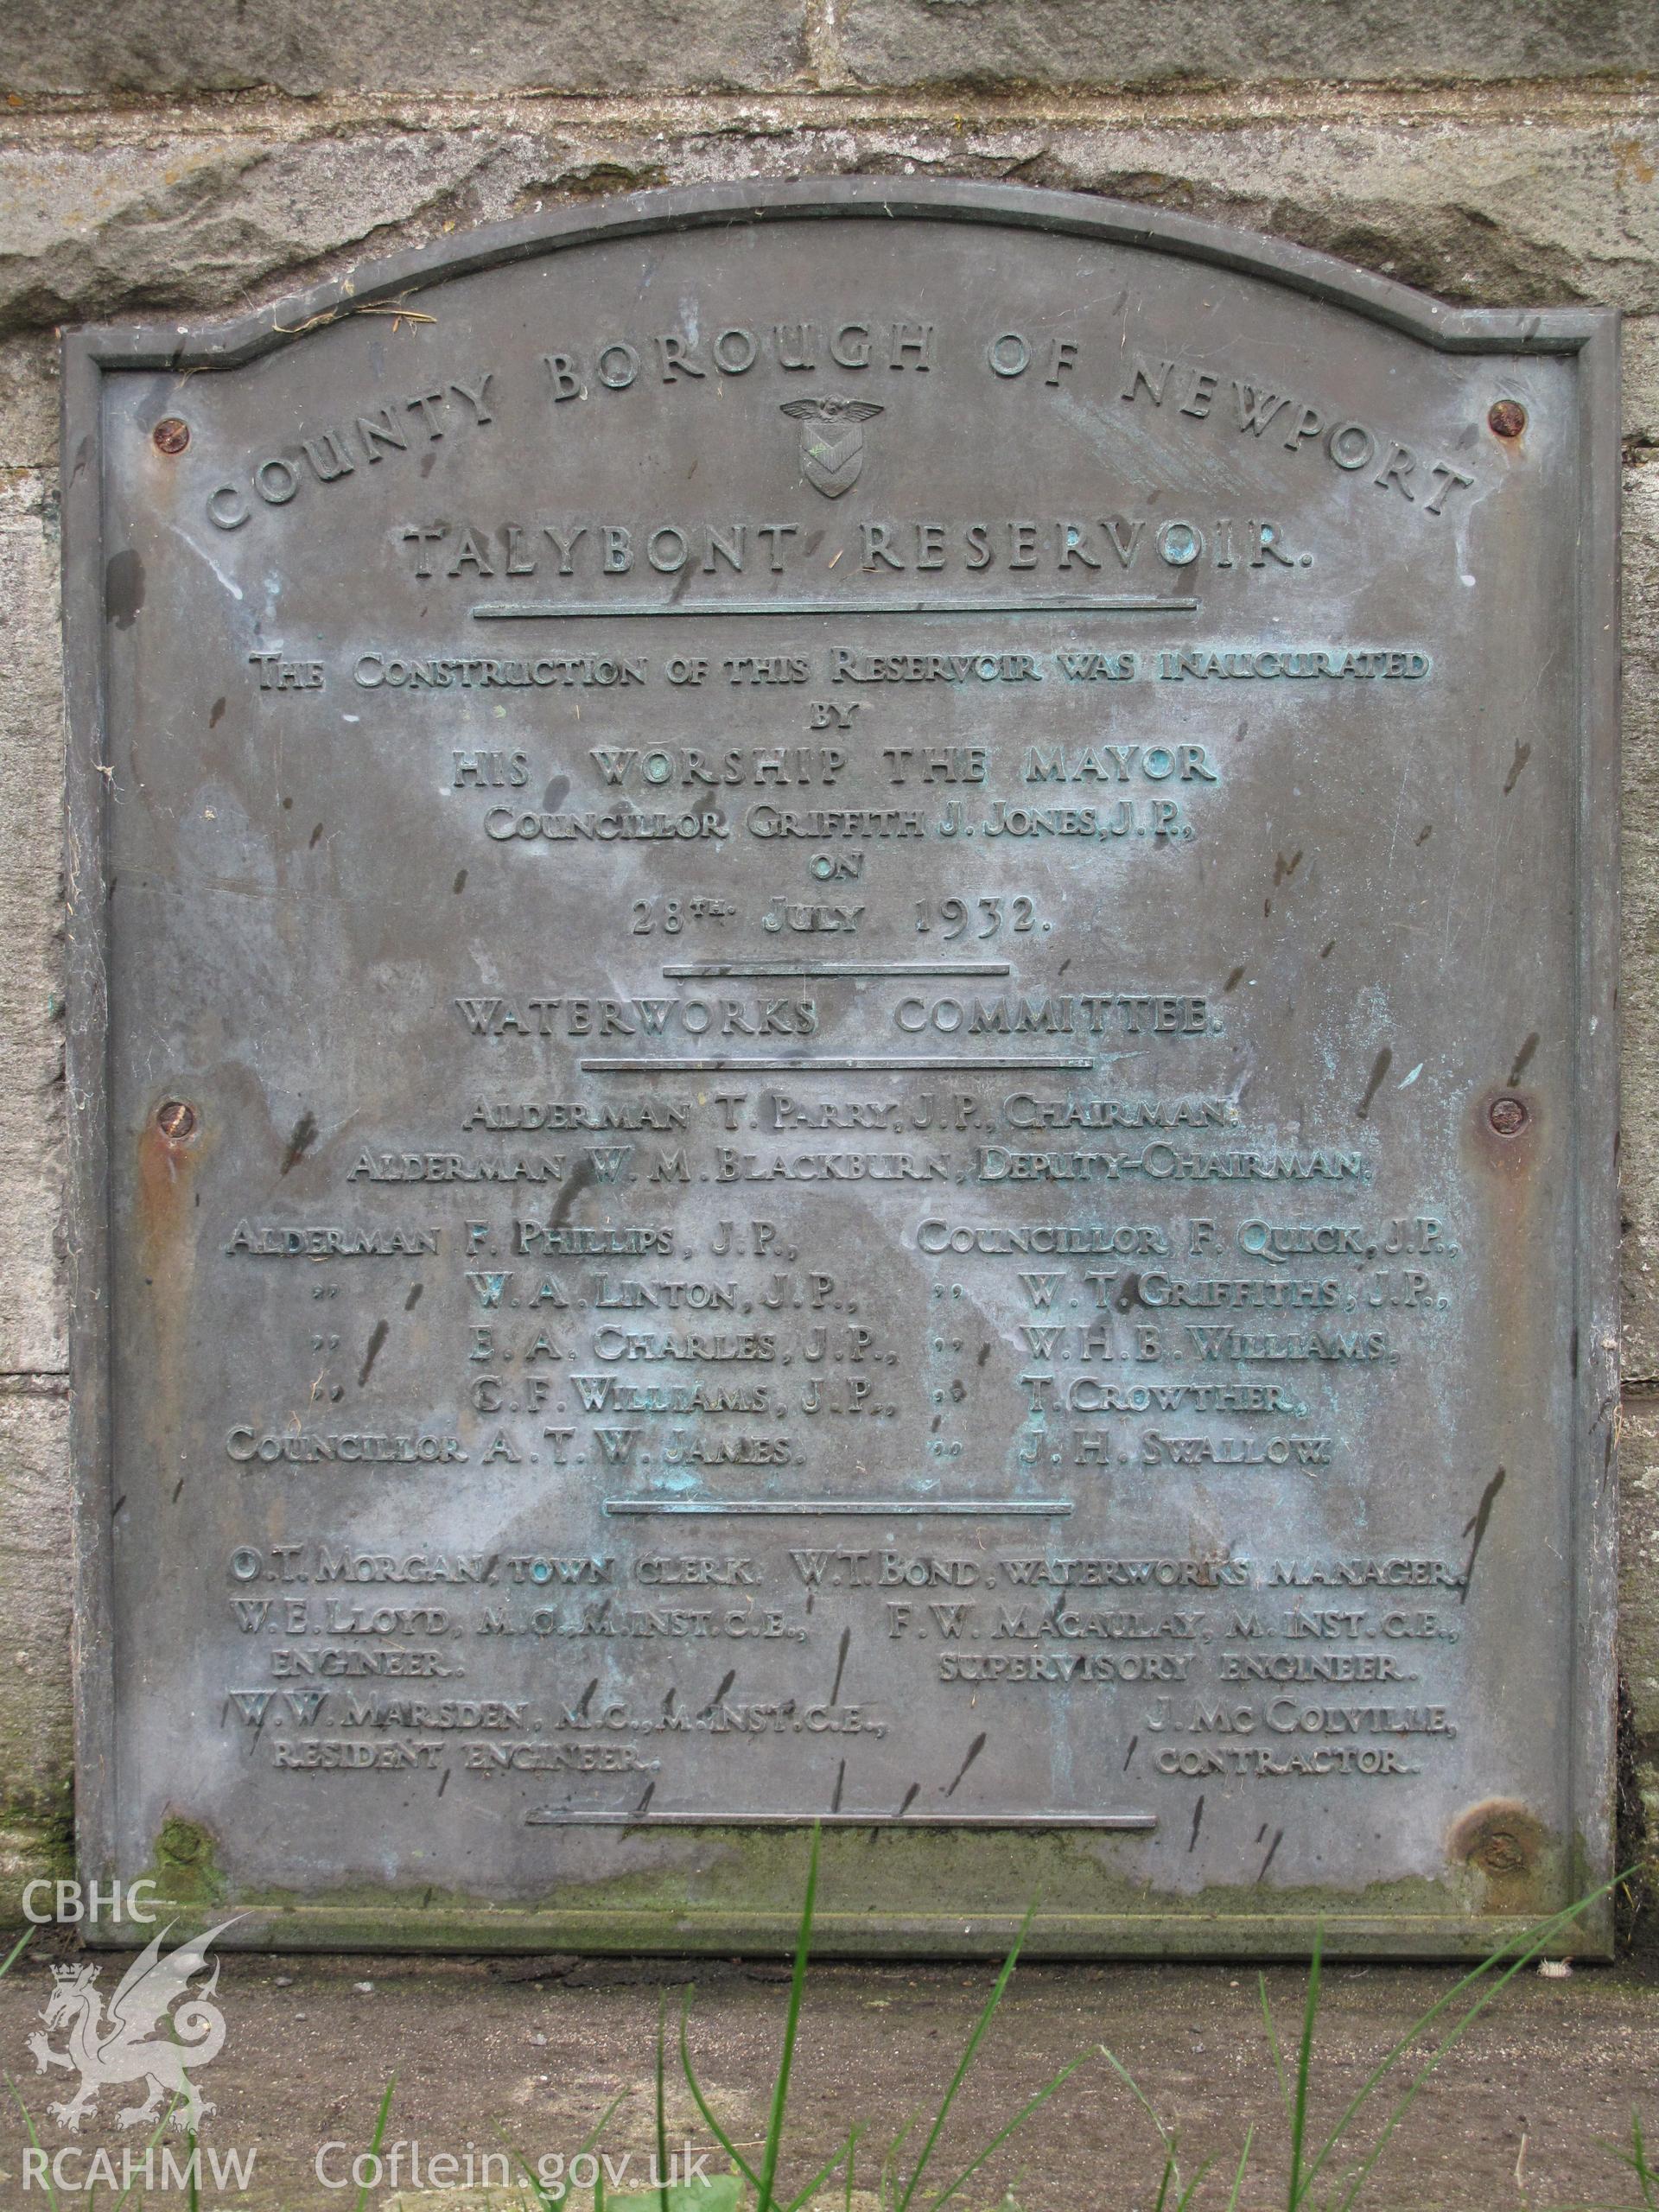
[[304, 1136], [1380, 1067], [1482, 1516], [727, 1679], [378, 1336], [841, 1664], [973, 1751]]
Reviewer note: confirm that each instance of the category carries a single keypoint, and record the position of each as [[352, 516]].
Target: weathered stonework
[[172, 160], [31, 1007], [158, 46], [35, 1801]]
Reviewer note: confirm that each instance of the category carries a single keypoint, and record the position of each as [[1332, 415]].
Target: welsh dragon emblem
[[125, 2046]]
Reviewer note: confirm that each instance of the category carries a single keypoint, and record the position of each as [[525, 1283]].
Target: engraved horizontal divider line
[[546, 611], [972, 1509], [831, 1064], [1134, 1822], [711, 970]]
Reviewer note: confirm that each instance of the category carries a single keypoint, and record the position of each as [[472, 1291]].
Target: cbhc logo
[[74, 1901]]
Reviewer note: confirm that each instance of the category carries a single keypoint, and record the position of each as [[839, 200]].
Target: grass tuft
[[1348, 2171], [377, 2138], [897, 2190]]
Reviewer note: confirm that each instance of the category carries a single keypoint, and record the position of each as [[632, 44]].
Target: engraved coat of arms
[[142, 2038], [832, 440]]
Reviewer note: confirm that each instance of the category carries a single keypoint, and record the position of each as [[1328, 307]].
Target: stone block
[[32, 1334], [1073, 44], [311, 46], [36, 1788], [1638, 1567], [1640, 379], [125, 220]]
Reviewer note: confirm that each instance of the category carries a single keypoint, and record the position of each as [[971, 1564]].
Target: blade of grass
[[1274, 2051], [538, 2186], [1003, 2133], [765, 2201], [1170, 2177], [823, 2173], [176, 2101], [1636, 2159], [662, 2114], [544, 2197], [1637, 2163], [377, 2138], [969, 2055], [707, 2110], [28, 2127], [1183, 2203], [16, 1952], [604, 2120], [852, 2154], [889, 2176], [34, 2140], [1142, 2100], [1244, 2160], [1534, 1939], [1303, 2068]]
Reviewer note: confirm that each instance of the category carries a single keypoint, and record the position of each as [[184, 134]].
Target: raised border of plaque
[[742, 1890]]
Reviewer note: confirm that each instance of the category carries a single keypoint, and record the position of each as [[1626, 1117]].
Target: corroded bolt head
[[175, 1120], [171, 434], [1507, 1116], [1502, 1853], [1507, 418]]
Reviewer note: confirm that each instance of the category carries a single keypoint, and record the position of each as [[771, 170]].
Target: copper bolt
[[171, 434], [1507, 418], [1508, 1117], [176, 1121], [1501, 1852]]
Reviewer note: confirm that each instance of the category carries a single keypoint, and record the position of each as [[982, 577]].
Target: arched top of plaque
[[947, 201]]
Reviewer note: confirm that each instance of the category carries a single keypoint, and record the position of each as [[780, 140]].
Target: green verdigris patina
[[771, 1138]]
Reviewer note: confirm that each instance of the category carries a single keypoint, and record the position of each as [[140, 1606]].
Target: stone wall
[[161, 158]]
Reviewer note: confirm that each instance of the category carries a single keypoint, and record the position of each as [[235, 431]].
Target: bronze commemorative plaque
[[843, 1051]]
